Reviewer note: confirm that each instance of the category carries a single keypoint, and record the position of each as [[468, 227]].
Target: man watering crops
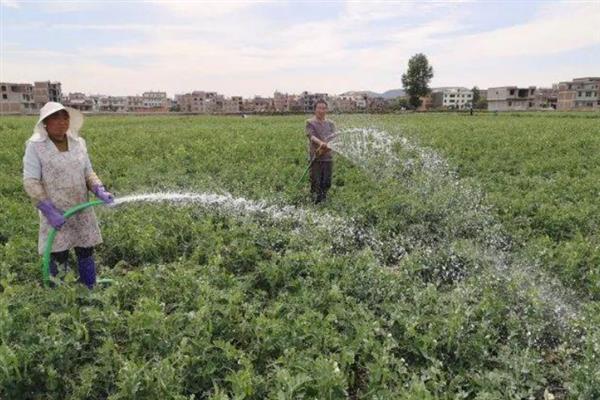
[[57, 174], [320, 132]]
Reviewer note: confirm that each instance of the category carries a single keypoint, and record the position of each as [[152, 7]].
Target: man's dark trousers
[[320, 179]]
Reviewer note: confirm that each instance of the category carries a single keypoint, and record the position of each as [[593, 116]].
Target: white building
[[155, 101], [455, 98]]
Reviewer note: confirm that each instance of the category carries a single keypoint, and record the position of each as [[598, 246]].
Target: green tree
[[416, 79], [479, 102], [476, 96]]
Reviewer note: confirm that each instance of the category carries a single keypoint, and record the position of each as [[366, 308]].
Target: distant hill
[[360, 93], [390, 94]]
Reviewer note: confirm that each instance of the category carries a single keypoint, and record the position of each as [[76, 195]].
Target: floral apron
[[63, 178]]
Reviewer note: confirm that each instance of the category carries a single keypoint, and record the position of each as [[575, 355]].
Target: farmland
[[458, 257]]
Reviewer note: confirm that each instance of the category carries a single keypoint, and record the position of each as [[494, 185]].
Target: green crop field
[[456, 257]]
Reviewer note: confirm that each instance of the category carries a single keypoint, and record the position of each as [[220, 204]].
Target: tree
[[478, 102], [476, 96], [416, 79]]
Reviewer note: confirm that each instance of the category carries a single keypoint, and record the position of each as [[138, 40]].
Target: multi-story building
[[155, 102], [307, 100], [546, 98], [258, 104], [135, 104], [46, 91], [376, 105], [112, 103], [579, 94], [192, 102], [231, 106], [96, 101], [239, 101], [281, 102], [184, 101], [482, 94], [342, 104], [201, 102], [79, 101], [566, 96], [16, 98], [511, 98], [451, 98]]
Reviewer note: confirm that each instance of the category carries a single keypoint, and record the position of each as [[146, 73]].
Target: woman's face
[[57, 125]]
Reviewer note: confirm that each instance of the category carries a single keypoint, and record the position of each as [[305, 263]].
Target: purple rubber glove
[[53, 215], [103, 194]]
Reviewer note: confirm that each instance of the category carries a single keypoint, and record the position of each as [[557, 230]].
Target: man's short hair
[[321, 101]]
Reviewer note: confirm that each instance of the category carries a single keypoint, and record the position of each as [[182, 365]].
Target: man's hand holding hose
[[323, 149]]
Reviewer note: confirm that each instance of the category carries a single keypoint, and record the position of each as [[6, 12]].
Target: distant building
[[579, 94], [511, 98], [361, 101], [134, 104], [155, 102], [185, 102], [546, 98], [240, 102], [342, 104], [307, 100], [201, 102], [258, 104], [79, 101], [376, 104], [112, 103], [195, 102], [46, 91], [482, 94], [281, 102], [452, 98], [16, 98], [231, 106]]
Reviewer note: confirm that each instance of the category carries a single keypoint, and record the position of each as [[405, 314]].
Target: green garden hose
[[306, 170], [52, 233]]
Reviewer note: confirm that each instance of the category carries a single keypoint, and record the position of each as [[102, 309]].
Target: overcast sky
[[254, 48]]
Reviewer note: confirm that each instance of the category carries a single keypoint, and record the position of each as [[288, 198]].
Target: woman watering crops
[[57, 174]]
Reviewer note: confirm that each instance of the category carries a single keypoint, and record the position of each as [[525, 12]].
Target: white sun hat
[[75, 121]]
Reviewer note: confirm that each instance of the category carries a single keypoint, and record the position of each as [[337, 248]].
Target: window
[[512, 92], [4, 96], [580, 94], [588, 94], [510, 103], [530, 104], [3, 88]]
